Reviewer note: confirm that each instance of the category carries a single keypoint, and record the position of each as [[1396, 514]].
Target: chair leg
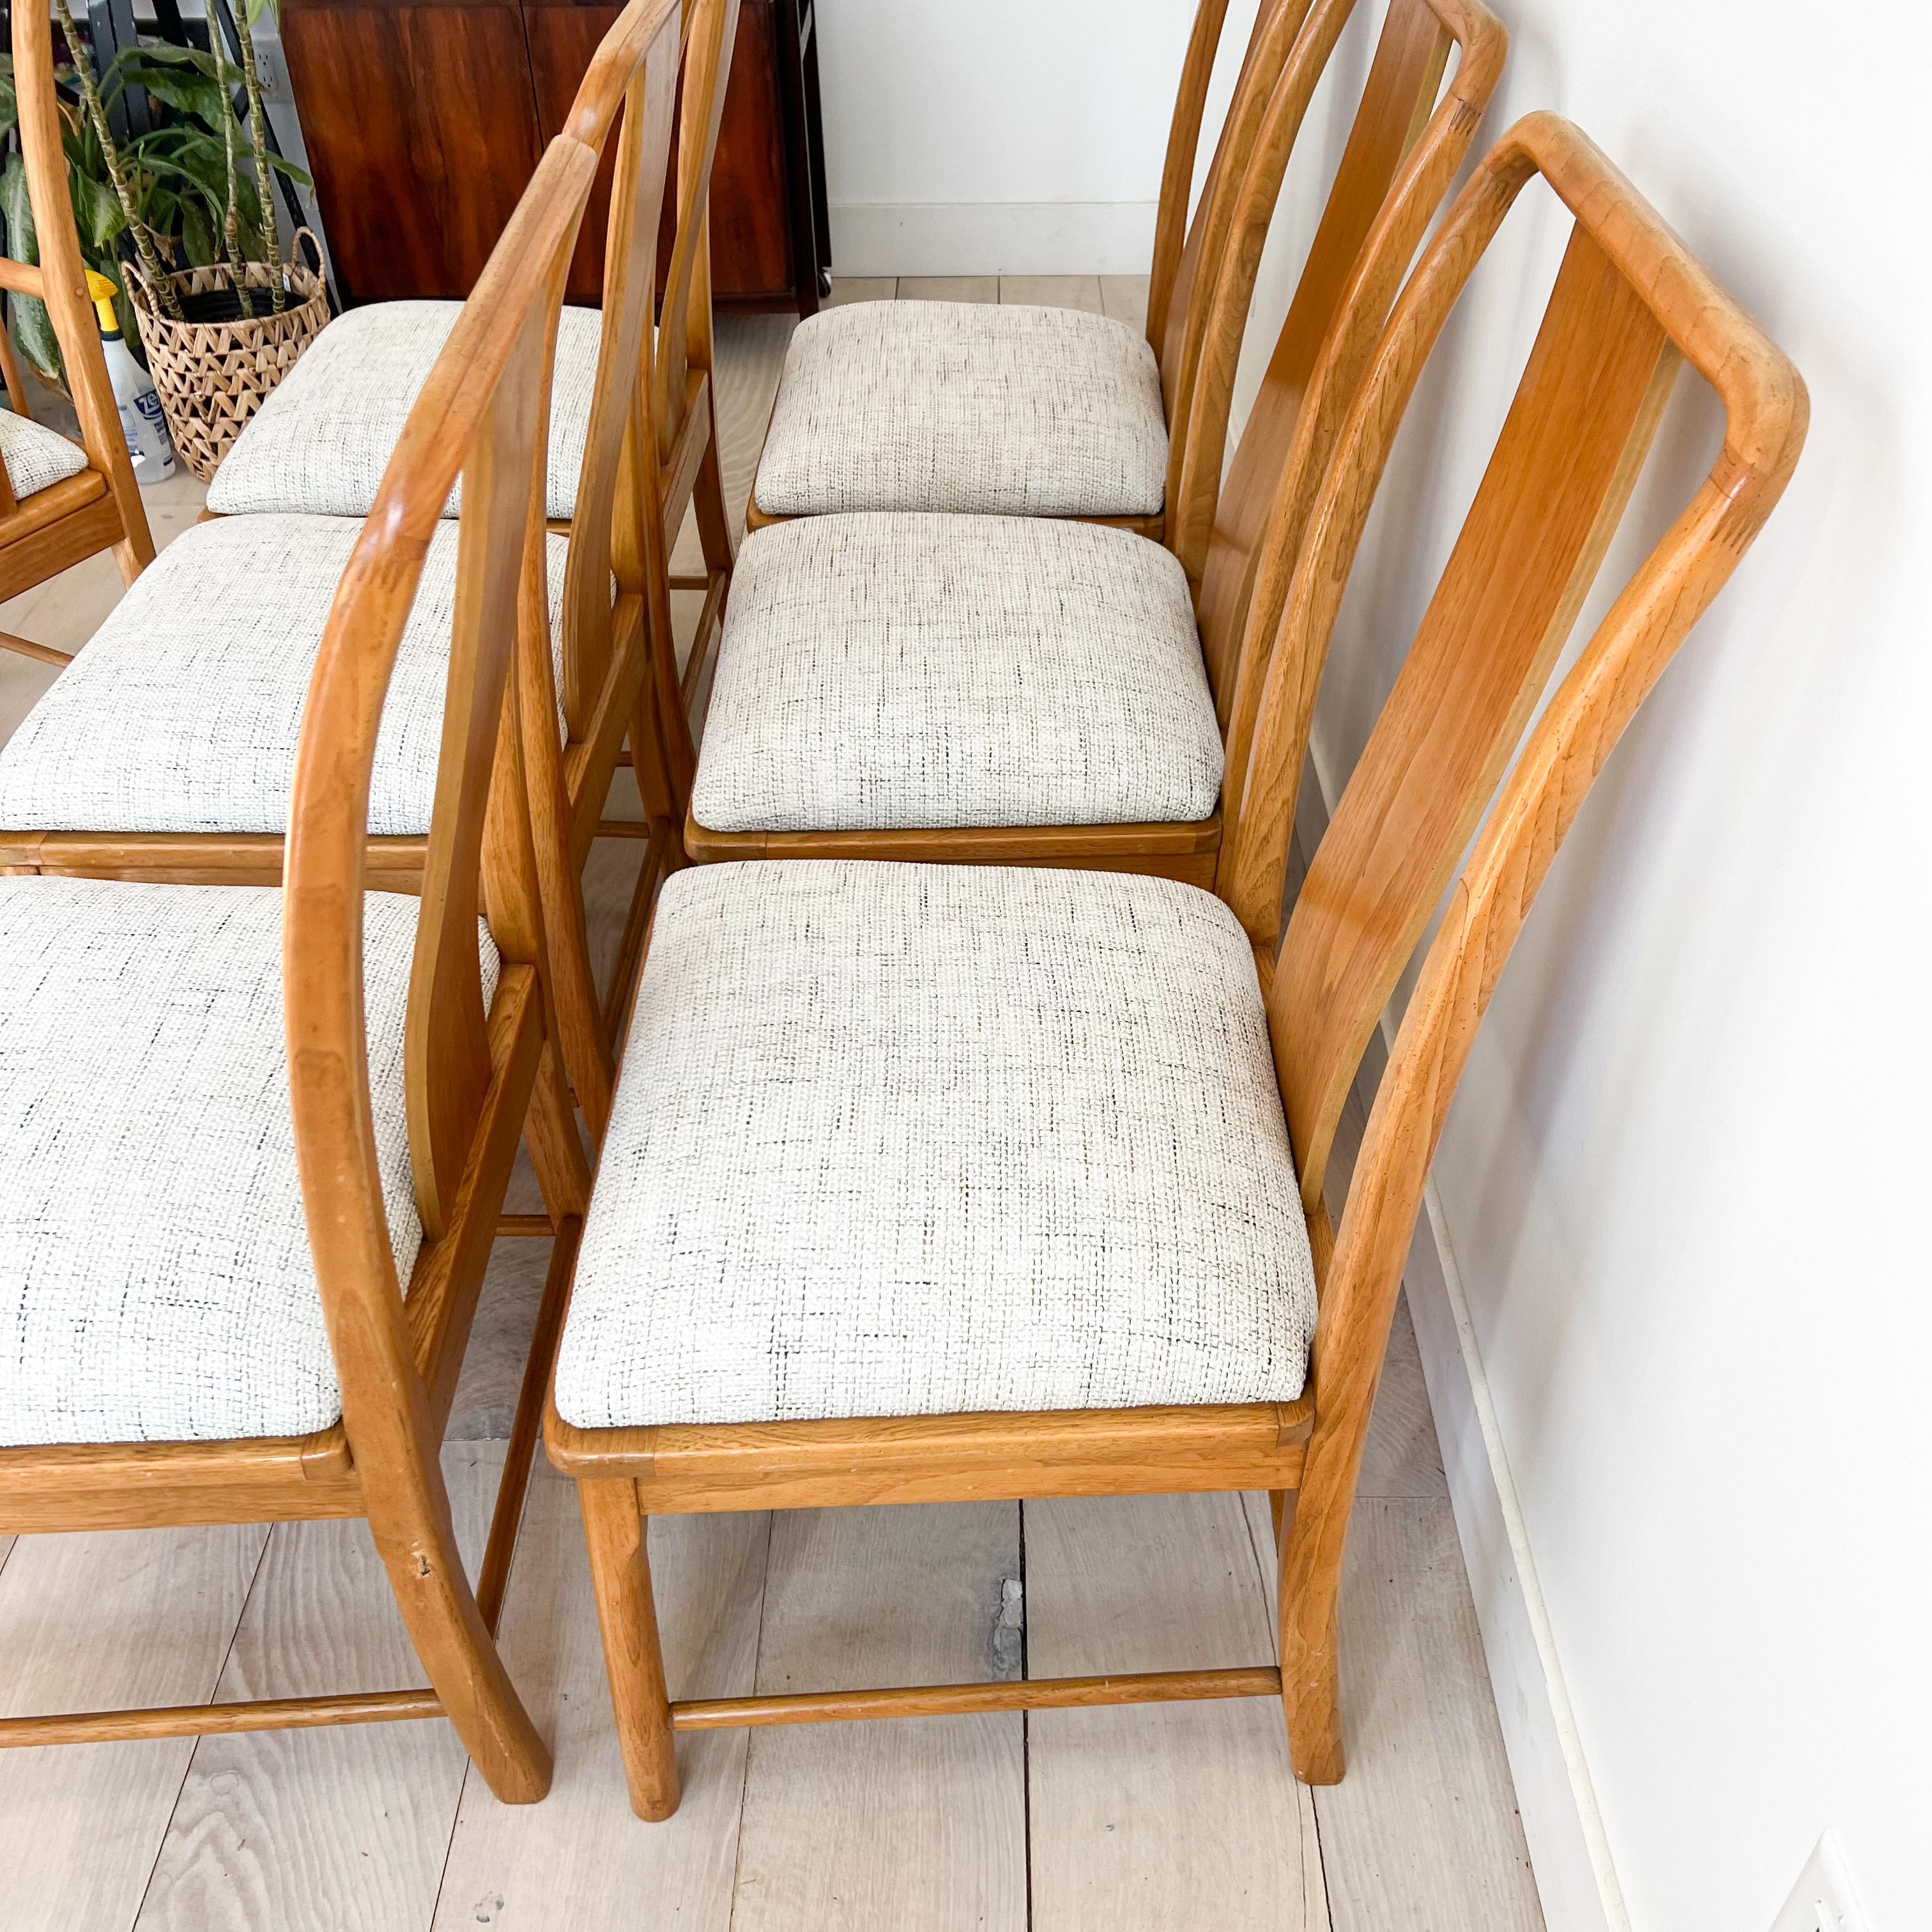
[[417, 1542], [707, 496], [1308, 1578], [620, 1578]]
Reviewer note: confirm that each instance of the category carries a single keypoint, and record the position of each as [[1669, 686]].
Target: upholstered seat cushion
[[966, 407], [324, 436], [910, 1140], [155, 1278], [182, 713], [888, 670], [36, 457]]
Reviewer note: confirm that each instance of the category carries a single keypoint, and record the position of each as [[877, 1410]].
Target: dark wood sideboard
[[424, 118]]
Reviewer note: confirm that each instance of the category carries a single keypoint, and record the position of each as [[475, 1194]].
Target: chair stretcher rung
[[528, 1226], [942, 1700], [192, 1721]]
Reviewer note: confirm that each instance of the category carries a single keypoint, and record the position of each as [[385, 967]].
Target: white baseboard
[[1575, 1879], [985, 238]]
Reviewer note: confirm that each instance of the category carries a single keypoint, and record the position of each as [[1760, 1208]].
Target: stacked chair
[[168, 749], [330, 742], [920, 1181], [903, 683]]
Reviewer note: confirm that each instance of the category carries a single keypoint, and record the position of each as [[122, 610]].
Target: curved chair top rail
[[1391, 181], [477, 416], [1629, 304], [61, 279], [1403, 148], [601, 95], [1178, 298]]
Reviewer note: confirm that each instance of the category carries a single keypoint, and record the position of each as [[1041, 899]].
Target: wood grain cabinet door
[[422, 128], [562, 36], [751, 187]]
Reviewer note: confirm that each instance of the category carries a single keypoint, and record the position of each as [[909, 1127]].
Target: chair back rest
[[1630, 305], [479, 415], [1404, 147], [1187, 253], [60, 281]]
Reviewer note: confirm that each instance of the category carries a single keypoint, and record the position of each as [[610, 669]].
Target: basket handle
[[305, 233], [132, 279]]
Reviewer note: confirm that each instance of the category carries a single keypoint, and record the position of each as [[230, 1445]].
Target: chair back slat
[[1629, 305], [1183, 146], [685, 318], [477, 413], [1278, 24], [1403, 149], [649, 74], [1765, 412], [446, 1043], [1556, 486]]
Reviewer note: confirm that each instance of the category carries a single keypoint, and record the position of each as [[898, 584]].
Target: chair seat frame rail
[[1630, 305]]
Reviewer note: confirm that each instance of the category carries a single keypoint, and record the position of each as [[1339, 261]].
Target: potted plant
[[181, 218]]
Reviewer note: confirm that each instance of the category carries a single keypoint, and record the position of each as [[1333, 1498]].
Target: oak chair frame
[[101, 507], [1629, 304], [1187, 252], [476, 1083], [651, 453], [1404, 148]]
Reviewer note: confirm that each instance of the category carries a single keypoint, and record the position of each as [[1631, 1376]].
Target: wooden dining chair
[[932, 1184], [60, 501], [167, 750], [1041, 691], [237, 1119], [1017, 410]]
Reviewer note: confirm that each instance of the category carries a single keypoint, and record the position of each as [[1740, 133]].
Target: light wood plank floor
[[1159, 1817]]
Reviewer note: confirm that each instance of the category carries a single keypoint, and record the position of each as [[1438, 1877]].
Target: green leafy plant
[[178, 193]]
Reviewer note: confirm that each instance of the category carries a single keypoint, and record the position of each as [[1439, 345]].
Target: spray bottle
[[141, 422]]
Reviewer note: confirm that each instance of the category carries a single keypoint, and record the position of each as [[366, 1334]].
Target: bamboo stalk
[[251, 81], [90, 93], [231, 219]]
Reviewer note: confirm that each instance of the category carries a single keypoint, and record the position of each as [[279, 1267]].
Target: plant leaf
[[96, 210], [197, 232], [190, 93], [33, 327]]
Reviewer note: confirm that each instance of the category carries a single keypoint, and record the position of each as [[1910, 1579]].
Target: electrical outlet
[[1824, 1899]]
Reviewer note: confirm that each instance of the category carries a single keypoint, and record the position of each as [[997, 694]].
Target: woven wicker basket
[[213, 375]]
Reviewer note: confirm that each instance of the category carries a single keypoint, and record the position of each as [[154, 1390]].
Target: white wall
[[1680, 1193], [1013, 137]]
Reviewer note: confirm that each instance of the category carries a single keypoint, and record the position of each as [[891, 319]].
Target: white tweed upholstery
[[324, 436], [969, 408], [36, 457], [884, 670], [183, 712], [912, 1140], [155, 1278]]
